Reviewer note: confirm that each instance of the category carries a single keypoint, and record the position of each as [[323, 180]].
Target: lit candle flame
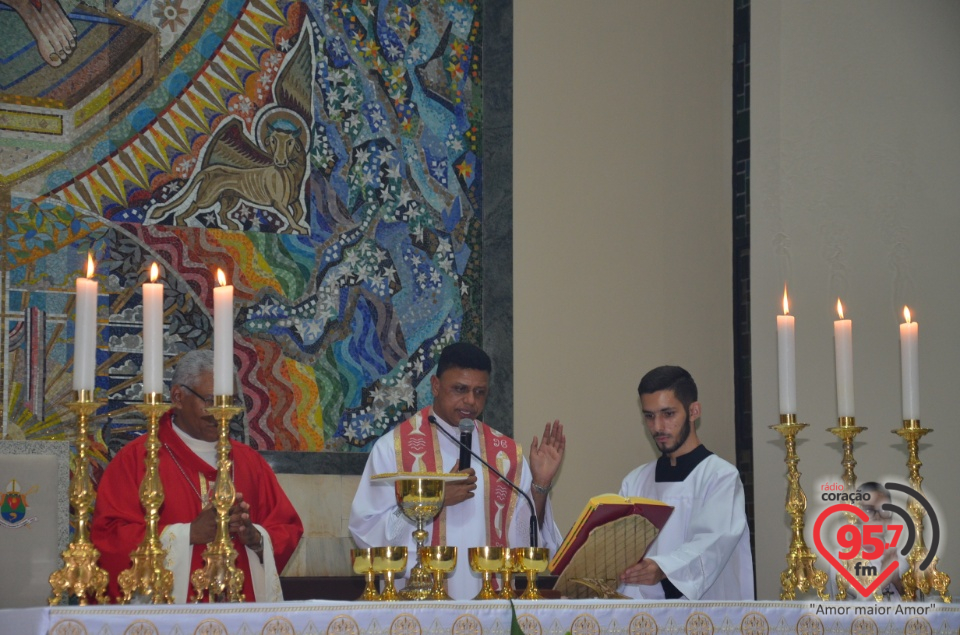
[[221, 278], [154, 272], [839, 309], [906, 314], [786, 304], [90, 264]]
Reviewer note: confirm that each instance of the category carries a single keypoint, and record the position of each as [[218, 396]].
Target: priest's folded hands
[[203, 529]]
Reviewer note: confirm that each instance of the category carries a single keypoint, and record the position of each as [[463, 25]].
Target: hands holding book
[[644, 572], [606, 545]]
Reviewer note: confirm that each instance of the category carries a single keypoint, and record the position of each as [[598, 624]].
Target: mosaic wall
[[324, 155]]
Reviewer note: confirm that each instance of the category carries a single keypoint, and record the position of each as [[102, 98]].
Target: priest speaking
[[263, 523], [480, 510], [703, 551]]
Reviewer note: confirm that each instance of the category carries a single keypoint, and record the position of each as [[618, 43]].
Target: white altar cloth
[[549, 617]]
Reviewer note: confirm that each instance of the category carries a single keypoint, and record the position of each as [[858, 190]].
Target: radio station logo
[[866, 550]]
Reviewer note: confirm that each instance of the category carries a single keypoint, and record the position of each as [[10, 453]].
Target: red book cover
[[601, 510]]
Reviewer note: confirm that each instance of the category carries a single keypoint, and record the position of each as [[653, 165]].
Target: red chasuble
[[118, 518], [419, 451]]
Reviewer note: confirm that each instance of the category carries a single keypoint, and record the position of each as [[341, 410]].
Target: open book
[[611, 534]]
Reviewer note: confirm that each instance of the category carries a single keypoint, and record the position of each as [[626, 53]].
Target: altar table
[[551, 617]]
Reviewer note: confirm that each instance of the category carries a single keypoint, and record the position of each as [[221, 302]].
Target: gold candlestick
[[914, 579], [800, 574], [148, 576], [220, 578], [847, 430], [81, 576]]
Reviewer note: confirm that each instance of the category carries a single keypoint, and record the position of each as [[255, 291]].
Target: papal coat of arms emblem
[[13, 506]]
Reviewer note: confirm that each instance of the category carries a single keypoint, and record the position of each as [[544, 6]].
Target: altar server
[[703, 551]]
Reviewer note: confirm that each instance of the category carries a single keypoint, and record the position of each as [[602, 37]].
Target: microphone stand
[[534, 522]]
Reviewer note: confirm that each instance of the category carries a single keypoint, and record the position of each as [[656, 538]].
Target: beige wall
[[622, 241], [622, 123], [621, 224], [621, 232], [856, 158], [323, 502]]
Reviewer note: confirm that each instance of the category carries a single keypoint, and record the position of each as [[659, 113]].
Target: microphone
[[466, 441], [534, 523]]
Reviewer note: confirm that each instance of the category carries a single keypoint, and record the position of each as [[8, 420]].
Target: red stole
[[418, 451]]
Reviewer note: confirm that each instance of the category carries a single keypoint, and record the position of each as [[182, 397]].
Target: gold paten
[[601, 588]]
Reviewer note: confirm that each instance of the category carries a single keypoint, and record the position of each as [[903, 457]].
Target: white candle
[[909, 367], [85, 331], [786, 355], [222, 337], [843, 349], [153, 333]]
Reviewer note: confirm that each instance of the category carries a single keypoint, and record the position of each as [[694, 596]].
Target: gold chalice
[[362, 561], [532, 560], [389, 561], [511, 564], [440, 561], [486, 561], [420, 498]]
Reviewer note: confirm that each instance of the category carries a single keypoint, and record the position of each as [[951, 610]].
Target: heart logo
[[846, 573]]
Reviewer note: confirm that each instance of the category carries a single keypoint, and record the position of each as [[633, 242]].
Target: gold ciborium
[[532, 560], [440, 561], [362, 562], [420, 498], [389, 561], [486, 561]]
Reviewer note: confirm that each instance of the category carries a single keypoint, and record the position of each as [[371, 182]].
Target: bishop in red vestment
[[264, 525]]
